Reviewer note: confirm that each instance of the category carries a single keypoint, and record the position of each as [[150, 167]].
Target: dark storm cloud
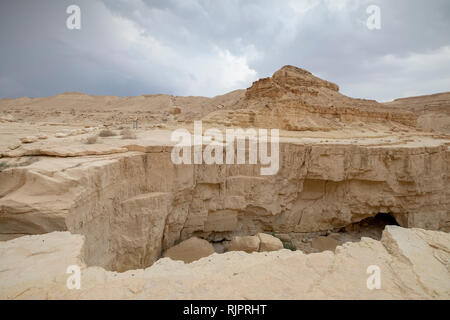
[[208, 47]]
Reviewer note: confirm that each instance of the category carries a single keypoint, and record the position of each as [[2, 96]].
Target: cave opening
[[371, 227]]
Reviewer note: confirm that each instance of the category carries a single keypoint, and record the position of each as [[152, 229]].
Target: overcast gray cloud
[[210, 47]]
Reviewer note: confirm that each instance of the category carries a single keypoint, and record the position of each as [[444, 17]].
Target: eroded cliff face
[[131, 206]]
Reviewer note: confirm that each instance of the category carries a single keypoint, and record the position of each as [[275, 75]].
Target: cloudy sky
[[210, 47]]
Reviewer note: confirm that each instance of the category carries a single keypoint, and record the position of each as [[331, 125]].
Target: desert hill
[[292, 99]]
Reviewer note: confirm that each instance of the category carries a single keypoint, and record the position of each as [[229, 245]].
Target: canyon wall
[[131, 206]]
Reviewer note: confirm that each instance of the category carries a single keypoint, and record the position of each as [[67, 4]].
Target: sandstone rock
[[325, 243], [269, 243], [190, 250], [294, 99], [248, 244], [42, 136]]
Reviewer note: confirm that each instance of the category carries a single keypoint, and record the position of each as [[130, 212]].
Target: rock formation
[[115, 200], [261, 242], [293, 99], [413, 264], [190, 250], [342, 162]]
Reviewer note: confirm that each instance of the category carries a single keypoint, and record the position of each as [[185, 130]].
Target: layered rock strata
[[293, 99], [131, 206]]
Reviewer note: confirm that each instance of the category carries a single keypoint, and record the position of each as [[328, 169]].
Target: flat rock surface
[[413, 264]]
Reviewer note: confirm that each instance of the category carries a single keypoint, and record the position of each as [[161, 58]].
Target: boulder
[[247, 243], [190, 250], [269, 243]]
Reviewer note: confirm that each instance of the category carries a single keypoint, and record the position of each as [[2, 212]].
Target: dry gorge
[[360, 183]]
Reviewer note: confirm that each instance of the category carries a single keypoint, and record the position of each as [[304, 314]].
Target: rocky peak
[[289, 80]]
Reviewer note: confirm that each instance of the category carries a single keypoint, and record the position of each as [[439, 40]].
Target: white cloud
[[303, 6], [412, 74], [220, 72], [345, 5], [431, 60], [204, 47], [139, 54]]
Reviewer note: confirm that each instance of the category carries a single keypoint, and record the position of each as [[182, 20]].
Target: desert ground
[[360, 184]]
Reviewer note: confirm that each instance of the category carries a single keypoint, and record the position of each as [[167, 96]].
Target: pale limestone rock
[[28, 262], [190, 250], [261, 242], [416, 249], [131, 202], [413, 265], [248, 244], [314, 190], [143, 220], [89, 189], [269, 243]]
